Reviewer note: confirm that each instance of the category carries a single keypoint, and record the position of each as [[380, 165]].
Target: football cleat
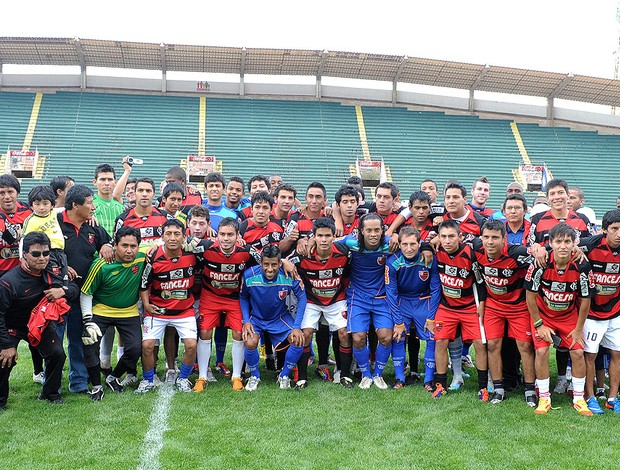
[[284, 381], [337, 376], [365, 383], [210, 376], [467, 362], [114, 384], [456, 384], [398, 385], [613, 405], [544, 405], [323, 373], [183, 385], [582, 407], [295, 371], [39, 378], [237, 384], [593, 406], [157, 381], [561, 387], [497, 398], [200, 385], [439, 391], [412, 378], [346, 382], [428, 386], [53, 401], [129, 380], [171, 375], [222, 369], [96, 394], [380, 382], [530, 401], [483, 394], [252, 383], [302, 384], [145, 386]]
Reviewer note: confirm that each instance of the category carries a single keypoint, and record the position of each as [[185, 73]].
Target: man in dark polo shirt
[[82, 241]]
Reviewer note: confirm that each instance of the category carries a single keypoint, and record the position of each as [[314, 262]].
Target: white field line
[[158, 425]]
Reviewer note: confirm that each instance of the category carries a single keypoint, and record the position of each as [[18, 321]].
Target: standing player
[[480, 192], [348, 200], [166, 293], [257, 183], [460, 283], [234, 199], [413, 293], [214, 186], [191, 197], [558, 298], [503, 267], [324, 274], [602, 327], [263, 303], [259, 231]]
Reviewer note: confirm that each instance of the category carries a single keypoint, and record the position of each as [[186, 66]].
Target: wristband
[[538, 323], [399, 324]]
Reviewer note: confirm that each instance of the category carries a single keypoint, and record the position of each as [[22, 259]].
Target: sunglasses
[[38, 254]]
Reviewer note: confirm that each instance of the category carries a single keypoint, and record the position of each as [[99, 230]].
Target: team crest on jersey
[[134, 269], [326, 274], [491, 271], [463, 273], [56, 270], [424, 275], [190, 271], [507, 272], [558, 286], [276, 236], [339, 271], [228, 268], [176, 274], [612, 268], [282, 294], [91, 238], [381, 260], [573, 286], [451, 270], [241, 266], [146, 232]]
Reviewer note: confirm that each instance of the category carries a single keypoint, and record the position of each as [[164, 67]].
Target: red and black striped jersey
[[558, 290], [389, 218], [221, 272], [459, 276], [426, 230], [504, 275], [259, 237], [245, 213], [9, 243], [325, 280], [170, 282], [485, 212], [149, 226], [471, 225], [605, 263], [304, 223], [545, 221], [353, 227]]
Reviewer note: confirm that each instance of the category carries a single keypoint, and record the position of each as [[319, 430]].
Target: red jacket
[[44, 312]]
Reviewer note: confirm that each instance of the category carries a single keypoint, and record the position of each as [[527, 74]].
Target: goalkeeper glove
[[91, 333]]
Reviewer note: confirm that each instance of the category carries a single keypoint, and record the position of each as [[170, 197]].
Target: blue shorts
[[416, 311], [278, 328], [362, 309]]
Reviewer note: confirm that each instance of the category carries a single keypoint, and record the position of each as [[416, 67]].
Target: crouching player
[[263, 305], [413, 292], [460, 284], [553, 296]]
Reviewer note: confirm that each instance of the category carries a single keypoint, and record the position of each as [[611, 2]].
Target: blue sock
[[290, 360], [466, 349], [185, 371], [251, 359], [398, 358], [429, 361], [383, 354], [220, 337], [311, 349], [362, 356], [149, 375]]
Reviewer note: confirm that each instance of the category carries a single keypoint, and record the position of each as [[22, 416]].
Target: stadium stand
[[15, 109]]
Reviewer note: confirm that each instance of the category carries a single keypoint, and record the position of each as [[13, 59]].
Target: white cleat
[[252, 383], [183, 385], [210, 376], [365, 383], [284, 381], [379, 382]]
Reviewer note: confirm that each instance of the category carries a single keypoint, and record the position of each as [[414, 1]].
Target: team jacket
[[266, 300], [459, 274], [558, 290], [169, 282], [149, 226], [504, 275], [605, 263], [545, 221], [411, 279], [325, 280]]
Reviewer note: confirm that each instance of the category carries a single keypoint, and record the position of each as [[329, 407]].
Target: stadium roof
[[391, 68]]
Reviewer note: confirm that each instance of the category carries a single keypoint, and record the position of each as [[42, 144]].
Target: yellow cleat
[[582, 407], [544, 405], [200, 385], [237, 384]]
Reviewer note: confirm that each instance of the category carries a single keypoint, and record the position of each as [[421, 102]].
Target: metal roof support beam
[[82, 61], [164, 68], [319, 74], [550, 110], [0, 75], [397, 75], [471, 106], [558, 89], [244, 53]]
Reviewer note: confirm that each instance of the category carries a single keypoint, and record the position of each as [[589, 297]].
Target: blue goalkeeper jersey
[[367, 268], [266, 300], [411, 279]]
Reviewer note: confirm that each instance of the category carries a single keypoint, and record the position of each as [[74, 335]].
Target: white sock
[[543, 388], [579, 384], [119, 352], [203, 351], [237, 358]]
